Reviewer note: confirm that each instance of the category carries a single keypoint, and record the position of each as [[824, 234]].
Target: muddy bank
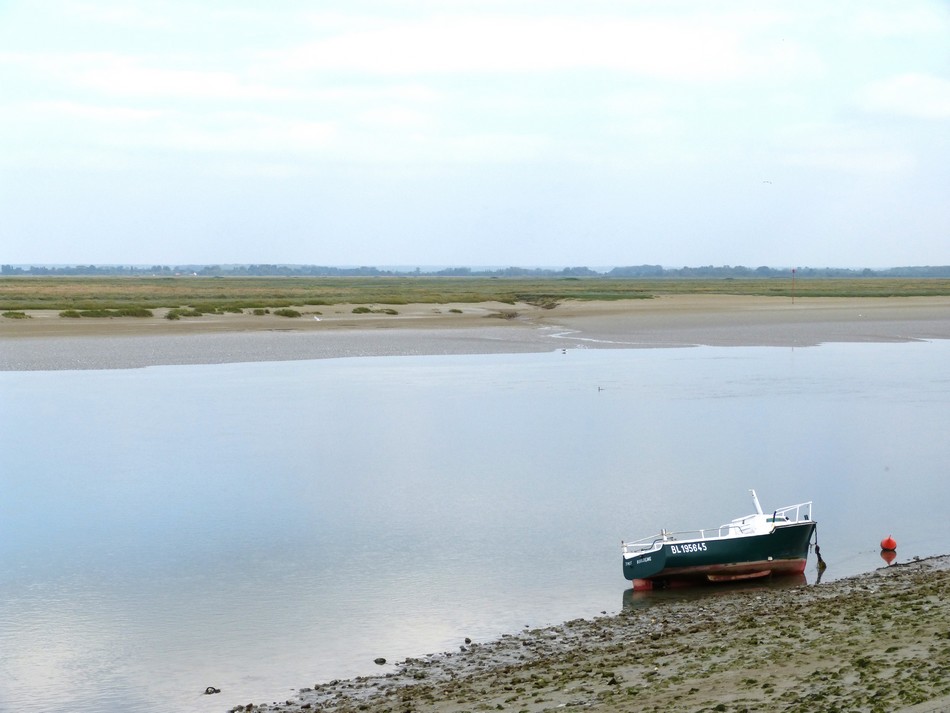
[[876, 642], [46, 341]]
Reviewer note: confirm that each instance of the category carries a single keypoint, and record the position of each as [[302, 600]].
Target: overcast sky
[[475, 132]]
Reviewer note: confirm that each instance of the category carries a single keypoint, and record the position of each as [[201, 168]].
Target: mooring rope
[[821, 562]]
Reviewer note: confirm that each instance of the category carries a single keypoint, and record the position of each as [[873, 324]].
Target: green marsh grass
[[214, 295], [103, 313]]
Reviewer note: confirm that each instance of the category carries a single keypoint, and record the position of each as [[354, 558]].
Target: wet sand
[[46, 341], [875, 642]]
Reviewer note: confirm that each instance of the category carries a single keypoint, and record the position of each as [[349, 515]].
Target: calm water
[[263, 527]]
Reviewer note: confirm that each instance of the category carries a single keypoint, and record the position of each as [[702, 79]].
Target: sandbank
[[46, 341]]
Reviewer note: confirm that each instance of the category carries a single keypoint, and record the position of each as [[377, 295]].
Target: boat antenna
[[755, 499]]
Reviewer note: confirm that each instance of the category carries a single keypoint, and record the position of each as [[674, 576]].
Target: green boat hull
[[784, 550]]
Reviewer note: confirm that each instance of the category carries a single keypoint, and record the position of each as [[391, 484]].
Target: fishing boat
[[758, 545]]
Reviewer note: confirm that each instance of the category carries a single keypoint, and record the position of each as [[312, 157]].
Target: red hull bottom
[[689, 576]]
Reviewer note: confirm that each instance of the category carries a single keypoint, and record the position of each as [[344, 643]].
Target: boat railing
[[790, 514], [653, 542], [794, 513]]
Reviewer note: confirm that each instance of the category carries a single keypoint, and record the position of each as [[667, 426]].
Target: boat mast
[[755, 499]]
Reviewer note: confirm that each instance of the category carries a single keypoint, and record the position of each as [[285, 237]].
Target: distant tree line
[[632, 271], [738, 271]]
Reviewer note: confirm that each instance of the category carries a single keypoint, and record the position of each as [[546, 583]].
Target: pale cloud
[[115, 74], [659, 48], [470, 148], [61, 109], [124, 14], [64, 133], [125, 76], [845, 149], [398, 117], [120, 75], [107, 137], [853, 160], [902, 20], [652, 113], [255, 135], [914, 95], [637, 103]]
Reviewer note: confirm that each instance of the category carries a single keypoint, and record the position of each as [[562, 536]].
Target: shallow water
[[263, 527]]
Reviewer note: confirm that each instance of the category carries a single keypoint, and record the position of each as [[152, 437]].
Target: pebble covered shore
[[875, 642]]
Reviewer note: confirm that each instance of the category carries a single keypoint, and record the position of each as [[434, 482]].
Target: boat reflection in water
[[634, 599]]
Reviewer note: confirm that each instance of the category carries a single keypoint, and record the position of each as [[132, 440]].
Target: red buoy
[[888, 544]]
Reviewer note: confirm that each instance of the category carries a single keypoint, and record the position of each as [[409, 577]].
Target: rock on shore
[[876, 642]]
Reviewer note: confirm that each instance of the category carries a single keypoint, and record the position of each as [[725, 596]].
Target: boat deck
[[758, 523]]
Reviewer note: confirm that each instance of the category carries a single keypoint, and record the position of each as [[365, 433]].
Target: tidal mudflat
[[873, 642], [46, 341]]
